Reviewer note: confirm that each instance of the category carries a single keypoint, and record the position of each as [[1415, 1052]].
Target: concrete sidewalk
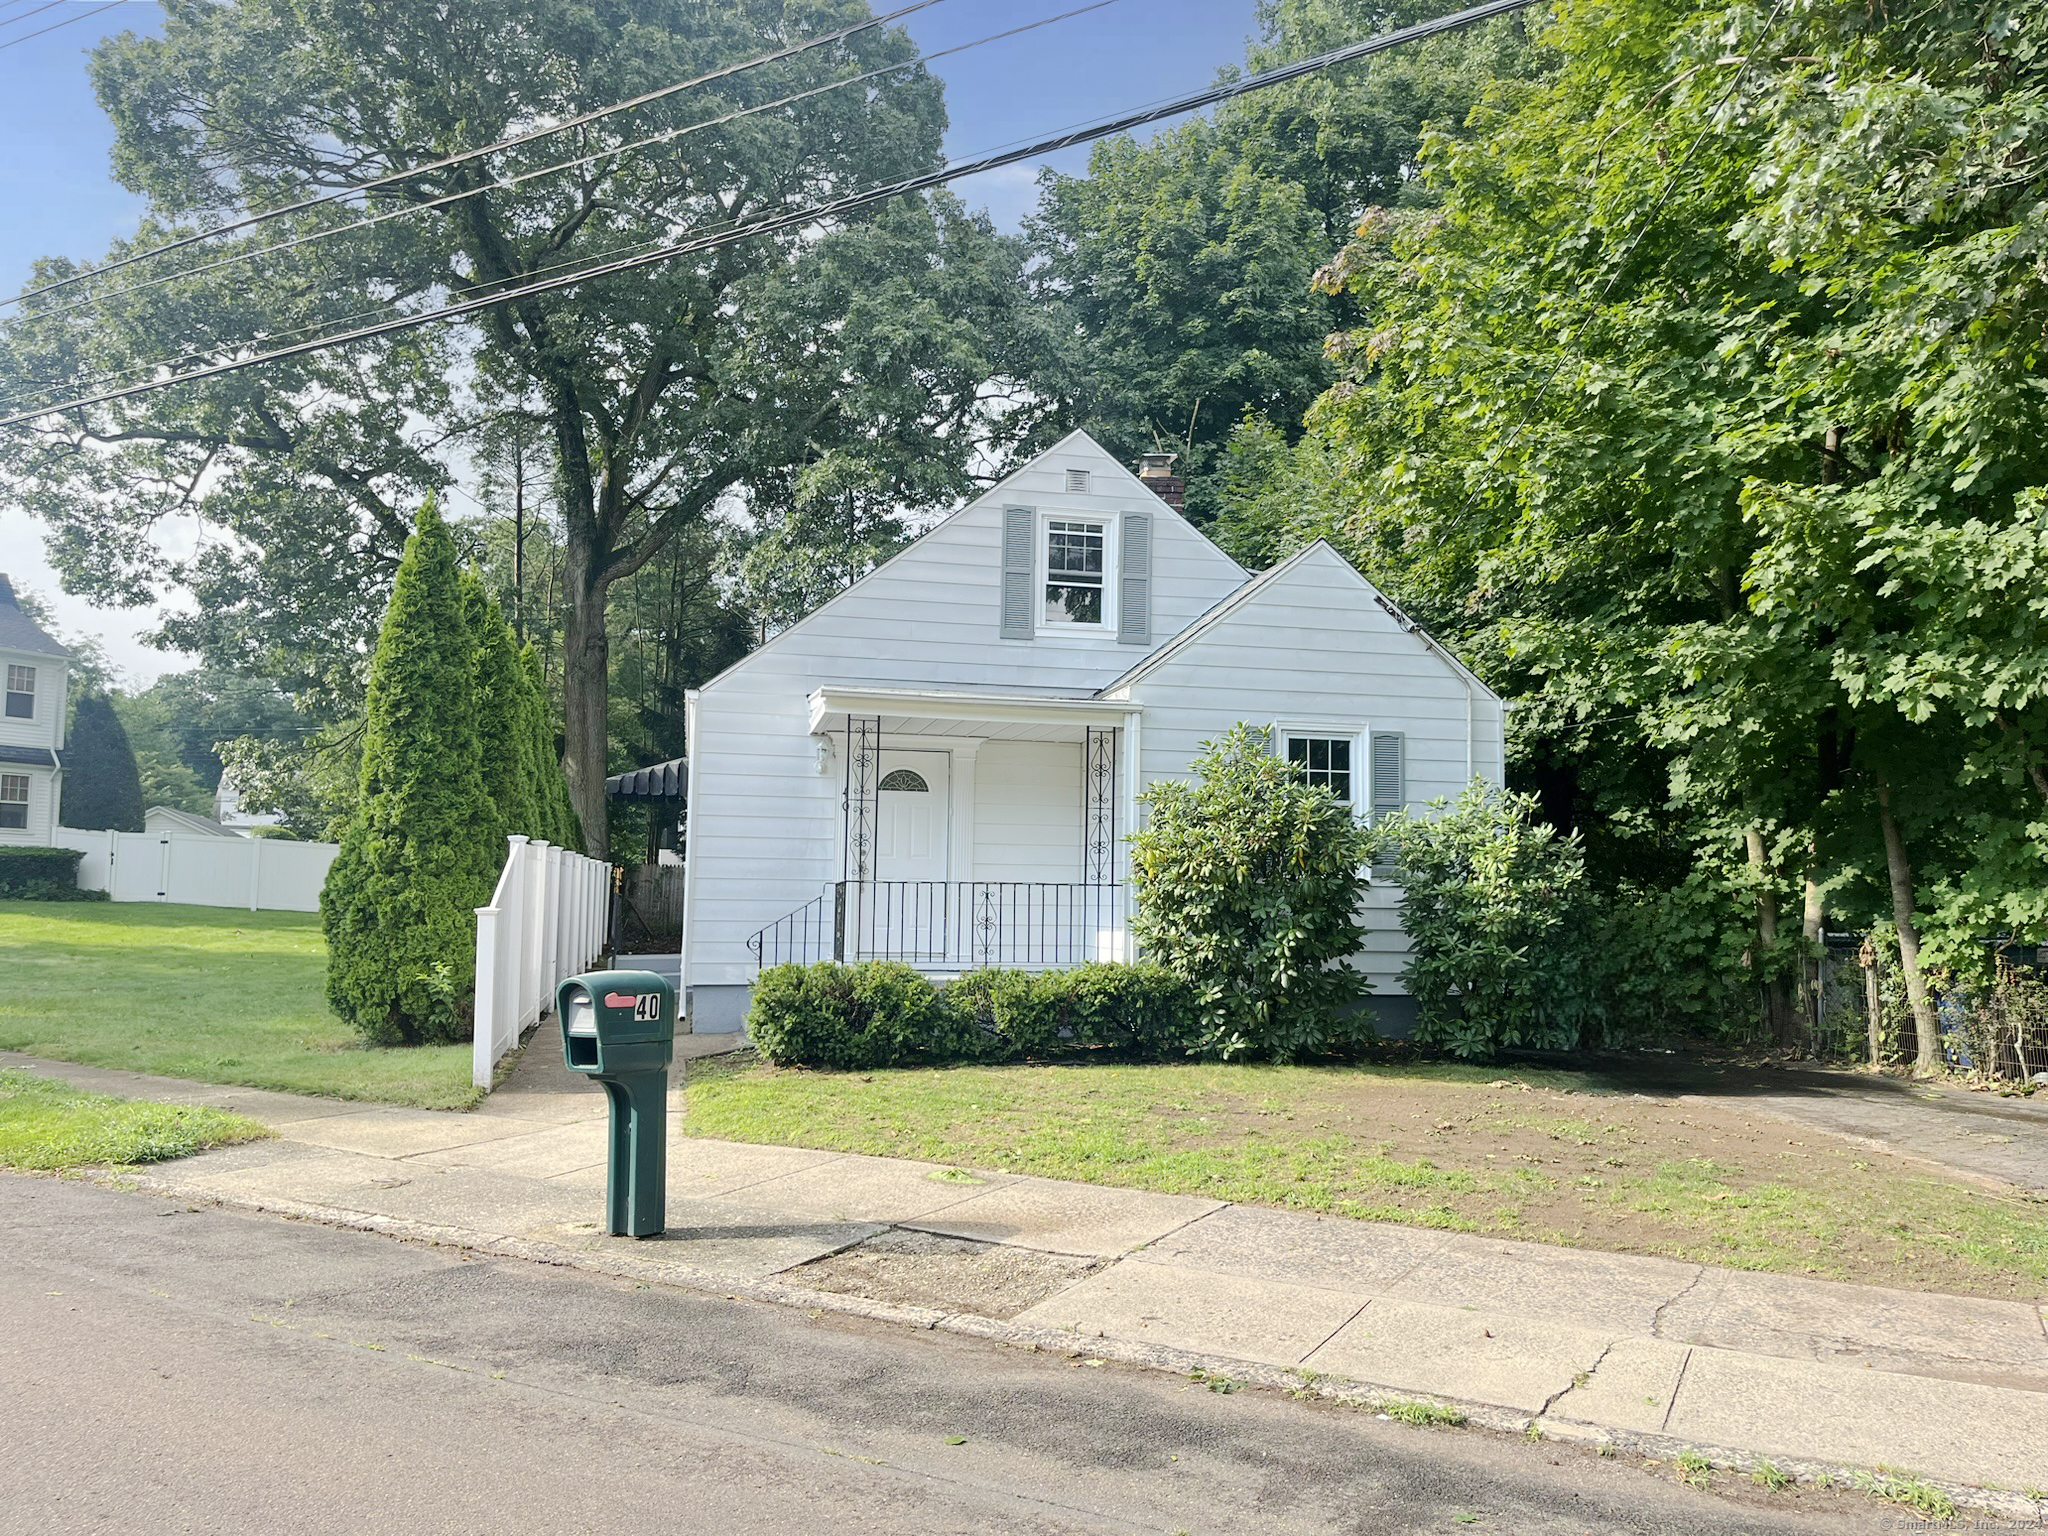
[[1652, 1356]]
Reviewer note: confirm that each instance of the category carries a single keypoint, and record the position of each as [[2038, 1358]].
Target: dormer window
[[1073, 572], [21, 693]]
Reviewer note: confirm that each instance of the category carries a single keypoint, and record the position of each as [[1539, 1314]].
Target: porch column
[[863, 778], [1101, 791]]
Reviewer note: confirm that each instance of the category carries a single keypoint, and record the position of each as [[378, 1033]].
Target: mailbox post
[[619, 1027]]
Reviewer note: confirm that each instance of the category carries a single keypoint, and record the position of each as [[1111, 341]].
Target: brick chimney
[[1156, 470]]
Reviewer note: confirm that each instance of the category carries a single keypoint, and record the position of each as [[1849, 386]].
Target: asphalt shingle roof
[[18, 632]]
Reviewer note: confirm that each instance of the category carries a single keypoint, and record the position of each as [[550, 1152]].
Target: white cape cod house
[[941, 765], [34, 670]]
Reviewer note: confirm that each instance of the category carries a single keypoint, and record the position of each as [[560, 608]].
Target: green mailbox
[[620, 1028]]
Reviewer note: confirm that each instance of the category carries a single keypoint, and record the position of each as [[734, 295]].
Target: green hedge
[[43, 874], [885, 1015]]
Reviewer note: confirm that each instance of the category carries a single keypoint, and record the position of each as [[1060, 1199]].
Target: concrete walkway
[[1652, 1356]]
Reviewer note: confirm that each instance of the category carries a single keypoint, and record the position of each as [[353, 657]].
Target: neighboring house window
[[1324, 761], [13, 798], [21, 693], [1073, 572]]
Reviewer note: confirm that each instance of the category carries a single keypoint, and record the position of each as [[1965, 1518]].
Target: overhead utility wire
[[143, 370], [17, 41], [779, 223], [666, 136], [48, 5], [341, 194]]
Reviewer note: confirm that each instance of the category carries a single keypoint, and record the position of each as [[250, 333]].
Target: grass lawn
[[202, 992], [51, 1125], [1554, 1157]]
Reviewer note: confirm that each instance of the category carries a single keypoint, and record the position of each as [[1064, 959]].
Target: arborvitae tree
[[557, 813], [502, 754], [399, 903], [102, 785]]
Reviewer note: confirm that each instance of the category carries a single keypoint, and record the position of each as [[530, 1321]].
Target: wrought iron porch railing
[[951, 925]]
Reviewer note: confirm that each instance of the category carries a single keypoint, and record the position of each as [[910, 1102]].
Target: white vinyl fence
[[548, 919], [262, 874]]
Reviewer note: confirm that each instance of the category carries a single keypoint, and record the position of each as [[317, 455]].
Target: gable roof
[[1277, 576], [160, 818], [19, 632], [1147, 497]]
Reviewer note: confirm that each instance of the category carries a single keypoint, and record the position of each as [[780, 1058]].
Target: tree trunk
[[1926, 1031], [1811, 921], [1873, 1004], [586, 699], [1778, 1011]]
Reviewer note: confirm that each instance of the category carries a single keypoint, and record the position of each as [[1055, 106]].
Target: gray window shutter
[[1134, 581], [1020, 564], [1389, 781]]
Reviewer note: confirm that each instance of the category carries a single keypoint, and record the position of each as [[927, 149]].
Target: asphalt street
[[165, 1369]]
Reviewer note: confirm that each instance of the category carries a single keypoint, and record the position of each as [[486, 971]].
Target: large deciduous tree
[[1180, 265], [795, 364], [1706, 409]]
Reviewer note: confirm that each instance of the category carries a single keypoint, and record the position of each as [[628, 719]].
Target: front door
[[910, 908]]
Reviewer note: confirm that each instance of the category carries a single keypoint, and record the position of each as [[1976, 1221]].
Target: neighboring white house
[[168, 819], [942, 764], [34, 669]]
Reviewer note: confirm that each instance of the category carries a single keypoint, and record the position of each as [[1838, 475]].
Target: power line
[[464, 157], [16, 42], [47, 5], [801, 218], [506, 183]]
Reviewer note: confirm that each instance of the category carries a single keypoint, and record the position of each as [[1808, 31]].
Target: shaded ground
[[1997, 1135], [176, 1370], [1552, 1156], [208, 993]]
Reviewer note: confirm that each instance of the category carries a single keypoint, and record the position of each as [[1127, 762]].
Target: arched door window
[[905, 780]]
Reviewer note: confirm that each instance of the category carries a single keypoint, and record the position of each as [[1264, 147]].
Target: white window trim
[[1358, 735], [1041, 575], [34, 690]]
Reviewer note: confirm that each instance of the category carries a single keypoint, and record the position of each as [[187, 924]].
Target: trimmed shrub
[[1137, 1010], [399, 905], [876, 1014], [43, 874], [102, 785], [1249, 883], [1503, 929], [880, 1015]]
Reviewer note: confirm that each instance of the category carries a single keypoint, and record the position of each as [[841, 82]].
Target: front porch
[[974, 829]]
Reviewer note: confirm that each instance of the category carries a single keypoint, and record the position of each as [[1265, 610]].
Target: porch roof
[[931, 711]]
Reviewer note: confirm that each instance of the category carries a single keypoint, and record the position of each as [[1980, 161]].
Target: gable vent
[[1077, 480]]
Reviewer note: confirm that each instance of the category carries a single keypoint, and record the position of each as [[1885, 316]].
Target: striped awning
[[662, 781]]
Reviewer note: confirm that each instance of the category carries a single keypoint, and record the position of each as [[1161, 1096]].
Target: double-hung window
[[13, 801], [1075, 572], [21, 693], [1324, 761]]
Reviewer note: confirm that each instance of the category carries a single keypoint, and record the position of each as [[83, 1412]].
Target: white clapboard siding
[[1309, 646], [1028, 811], [765, 821]]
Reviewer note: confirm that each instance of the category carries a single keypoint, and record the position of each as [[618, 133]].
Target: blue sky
[[57, 197]]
